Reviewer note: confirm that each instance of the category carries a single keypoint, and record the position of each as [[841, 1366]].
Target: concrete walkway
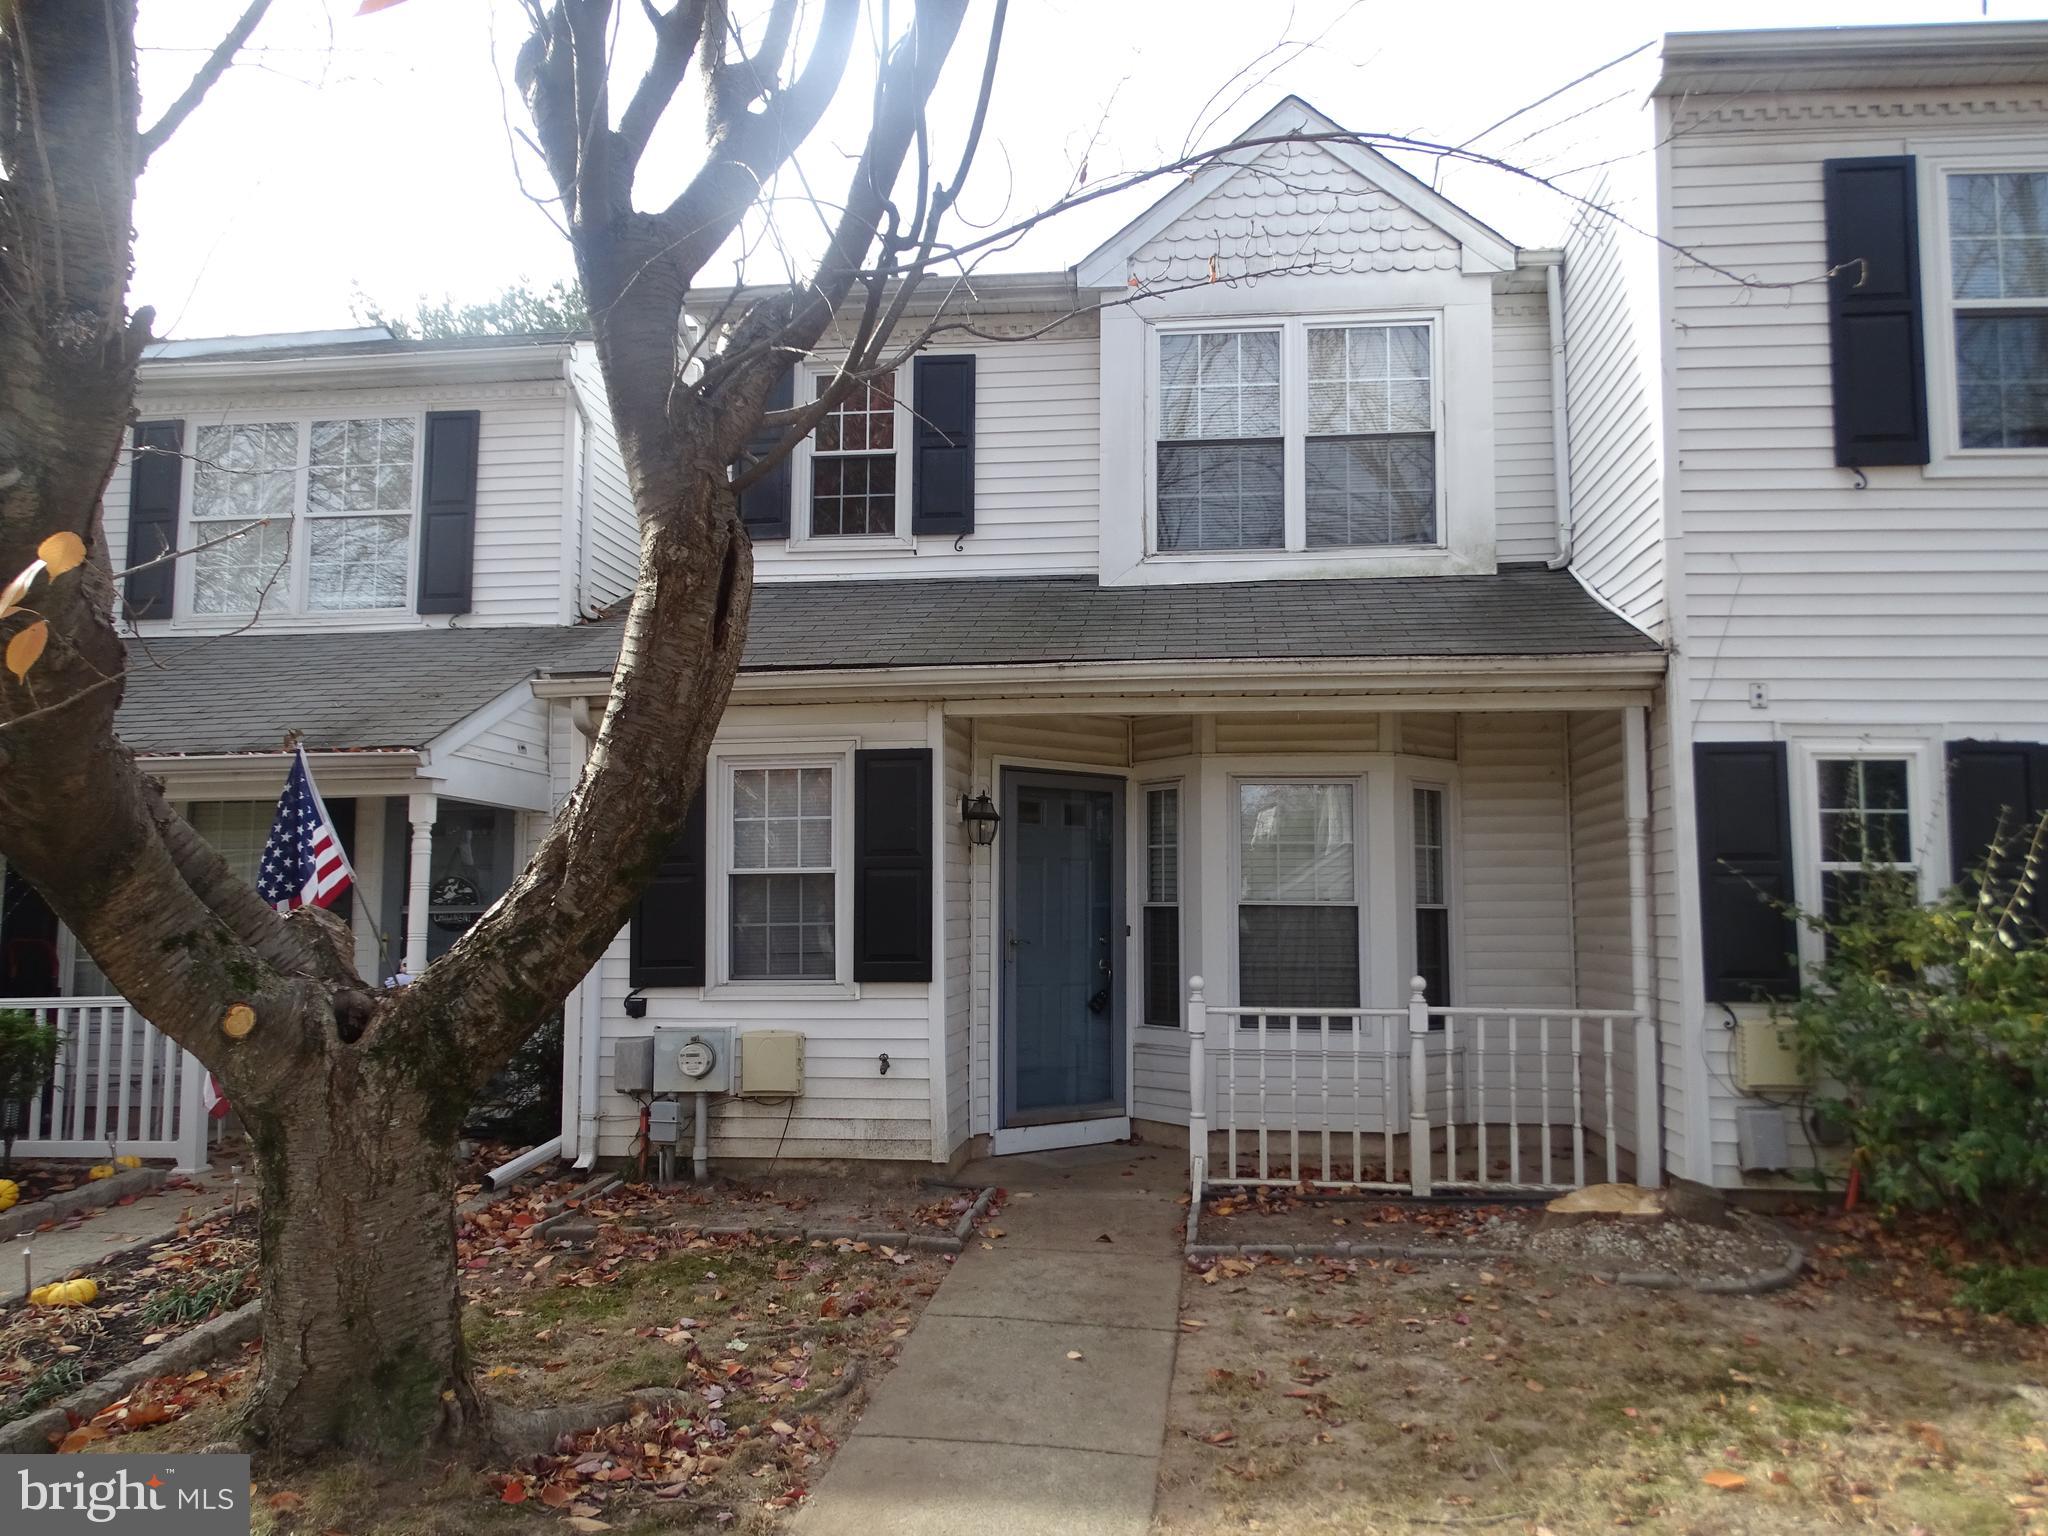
[[153, 1215], [987, 1424]]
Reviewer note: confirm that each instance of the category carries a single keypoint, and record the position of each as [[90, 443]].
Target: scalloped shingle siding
[[1296, 207]]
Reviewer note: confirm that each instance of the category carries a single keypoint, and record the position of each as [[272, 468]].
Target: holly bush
[[1927, 1025]]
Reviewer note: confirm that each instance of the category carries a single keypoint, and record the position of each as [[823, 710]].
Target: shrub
[[1929, 1026], [2017, 1291], [28, 1053]]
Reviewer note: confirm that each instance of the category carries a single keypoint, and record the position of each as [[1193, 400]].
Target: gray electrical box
[[664, 1120], [1760, 1140], [633, 1065], [693, 1058]]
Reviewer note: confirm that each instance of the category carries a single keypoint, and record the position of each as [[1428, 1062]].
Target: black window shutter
[[1876, 351], [942, 480], [448, 512], [156, 476], [892, 865], [666, 935], [764, 505], [1742, 796], [1996, 789]]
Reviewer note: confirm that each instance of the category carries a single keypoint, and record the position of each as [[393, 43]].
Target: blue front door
[[1063, 940]]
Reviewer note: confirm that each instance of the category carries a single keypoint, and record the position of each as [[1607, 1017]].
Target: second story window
[[854, 475], [1297, 436], [1998, 265], [349, 481], [1222, 456]]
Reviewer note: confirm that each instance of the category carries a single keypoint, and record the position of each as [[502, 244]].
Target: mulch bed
[[40, 1180], [1619, 1245], [146, 1299]]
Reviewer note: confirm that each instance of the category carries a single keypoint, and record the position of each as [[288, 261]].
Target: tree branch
[[677, 35], [151, 139]]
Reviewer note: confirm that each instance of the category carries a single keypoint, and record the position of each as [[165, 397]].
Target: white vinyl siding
[[611, 534], [1525, 468], [1037, 473], [523, 485]]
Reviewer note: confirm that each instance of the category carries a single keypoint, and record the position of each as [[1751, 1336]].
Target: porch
[[1403, 949]]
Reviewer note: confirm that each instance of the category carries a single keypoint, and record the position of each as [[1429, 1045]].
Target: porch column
[[420, 810], [1636, 799]]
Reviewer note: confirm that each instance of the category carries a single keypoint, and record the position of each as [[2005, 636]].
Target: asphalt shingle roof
[[401, 688]]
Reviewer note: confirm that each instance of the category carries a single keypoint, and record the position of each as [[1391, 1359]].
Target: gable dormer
[[1298, 368]]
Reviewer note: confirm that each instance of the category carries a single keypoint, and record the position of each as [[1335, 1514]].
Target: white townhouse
[[1855, 488], [1309, 591]]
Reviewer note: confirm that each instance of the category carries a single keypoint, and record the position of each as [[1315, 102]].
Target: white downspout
[[590, 1006], [1560, 414]]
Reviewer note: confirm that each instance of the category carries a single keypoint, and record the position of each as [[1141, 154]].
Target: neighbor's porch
[[433, 844], [1346, 934]]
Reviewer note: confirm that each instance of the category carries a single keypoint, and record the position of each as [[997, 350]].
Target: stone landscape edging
[[197, 1346], [1756, 1283], [916, 1242], [96, 1195]]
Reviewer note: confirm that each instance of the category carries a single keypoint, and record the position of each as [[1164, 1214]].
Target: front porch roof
[[1522, 612]]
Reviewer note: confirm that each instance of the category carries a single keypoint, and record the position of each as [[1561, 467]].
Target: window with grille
[[1866, 829], [782, 874], [1432, 895], [304, 516], [854, 467], [1162, 907], [1371, 451], [1998, 278], [1221, 450]]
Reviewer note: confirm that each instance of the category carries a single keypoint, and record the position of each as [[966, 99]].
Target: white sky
[[373, 153]]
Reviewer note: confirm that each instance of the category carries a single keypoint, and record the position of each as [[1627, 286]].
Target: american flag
[[303, 860]]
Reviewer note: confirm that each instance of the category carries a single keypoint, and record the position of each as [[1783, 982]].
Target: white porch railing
[[1410, 1100], [120, 1087]]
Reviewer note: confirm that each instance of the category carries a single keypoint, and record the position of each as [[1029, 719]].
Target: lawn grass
[[1346, 1397]]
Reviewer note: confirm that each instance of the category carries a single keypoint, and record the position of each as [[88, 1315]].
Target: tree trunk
[[362, 1331]]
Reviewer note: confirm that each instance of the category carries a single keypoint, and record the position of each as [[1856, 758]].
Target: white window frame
[[288, 598], [1361, 785], [800, 535], [1294, 433], [837, 756], [1925, 810], [1144, 903], [1939, 307]]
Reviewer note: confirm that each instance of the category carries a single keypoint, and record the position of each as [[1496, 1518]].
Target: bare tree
[[355, 1094]]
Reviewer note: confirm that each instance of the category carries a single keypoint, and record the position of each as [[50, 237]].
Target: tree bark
[[362, 1325]]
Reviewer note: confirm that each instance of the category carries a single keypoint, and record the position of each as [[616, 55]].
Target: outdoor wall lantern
[[982, 818]]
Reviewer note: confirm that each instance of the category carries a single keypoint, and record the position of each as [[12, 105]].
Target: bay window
[[1297, 896], [1162, 907], [1432, 894], [1297, 435], [351, 482]]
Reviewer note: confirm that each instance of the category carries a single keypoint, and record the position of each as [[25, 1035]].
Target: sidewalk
[[988, 1424], [152, 1215]]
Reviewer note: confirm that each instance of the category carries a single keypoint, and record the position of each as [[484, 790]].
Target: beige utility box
[[1765, 1059], [771, 1064]]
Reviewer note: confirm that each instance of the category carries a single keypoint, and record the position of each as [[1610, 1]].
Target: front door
[[1062, 942]]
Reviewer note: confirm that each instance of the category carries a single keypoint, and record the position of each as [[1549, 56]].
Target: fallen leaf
[[26, 647], [1726, 1481], [585, 1523], [1073, 1354], [555, 1496], [284, 1501], [514, 1492], [1533, 1385]]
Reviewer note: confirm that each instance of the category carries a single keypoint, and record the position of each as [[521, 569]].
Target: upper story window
[[349, 481], [1297, 436], [855, 476], [1998, 276]]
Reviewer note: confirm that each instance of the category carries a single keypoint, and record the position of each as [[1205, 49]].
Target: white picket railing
[[120, 1087], [1473, 1100]]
